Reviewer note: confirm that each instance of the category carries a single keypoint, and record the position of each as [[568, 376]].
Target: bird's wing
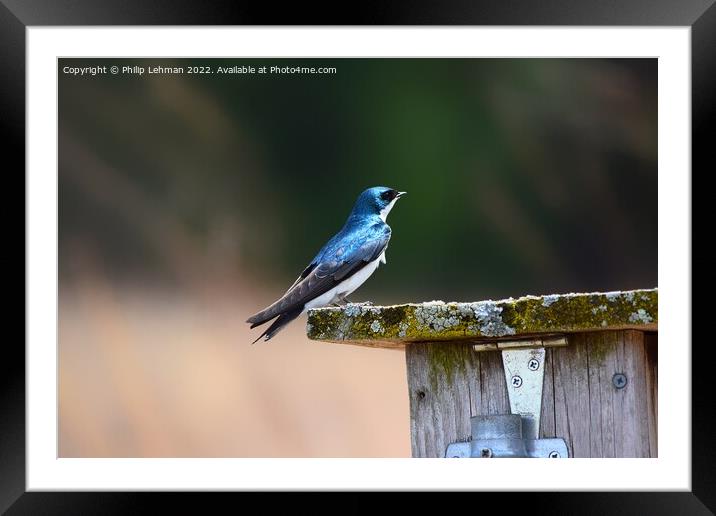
[[320, 277], [305, 273]]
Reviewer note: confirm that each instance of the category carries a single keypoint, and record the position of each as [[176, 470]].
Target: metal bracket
[[537, 342], [515, 434], [524, 374], [500, 437]]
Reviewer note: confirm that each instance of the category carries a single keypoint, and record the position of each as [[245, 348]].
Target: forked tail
[[278, 324]]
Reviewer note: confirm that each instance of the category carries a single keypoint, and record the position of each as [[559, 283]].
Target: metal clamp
[[515, 434], [502, 437]]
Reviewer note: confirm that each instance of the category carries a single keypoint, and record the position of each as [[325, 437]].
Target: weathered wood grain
[[632, 423], [440, 396], [492, 390], [450, 382], [652, 388], [615, 422], [547, 420], [603, 365], [571, 406]]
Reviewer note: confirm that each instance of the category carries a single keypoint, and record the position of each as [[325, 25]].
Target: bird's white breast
[[347, 286]]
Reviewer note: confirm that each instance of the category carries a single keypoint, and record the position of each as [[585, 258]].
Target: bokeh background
[[189, 202]]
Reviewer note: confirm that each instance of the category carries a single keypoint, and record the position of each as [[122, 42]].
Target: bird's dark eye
[[388, 195]]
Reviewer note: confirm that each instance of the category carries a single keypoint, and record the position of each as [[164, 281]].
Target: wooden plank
[[485, 321], [547, 421], [602, 367], [650, 344], [571, 406], [492, 389], [632, 426], [440, 396], [596, 418], [450, 382]]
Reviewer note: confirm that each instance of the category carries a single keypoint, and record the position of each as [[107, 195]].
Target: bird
[[342, 265]]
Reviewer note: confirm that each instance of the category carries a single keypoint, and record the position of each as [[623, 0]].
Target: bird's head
[[378, 200]]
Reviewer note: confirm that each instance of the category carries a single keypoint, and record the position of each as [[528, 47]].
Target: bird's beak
[[400, 194]]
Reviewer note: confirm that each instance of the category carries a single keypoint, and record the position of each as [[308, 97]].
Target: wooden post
[[596, 413]]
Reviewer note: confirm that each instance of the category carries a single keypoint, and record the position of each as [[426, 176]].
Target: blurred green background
[[205, 195]]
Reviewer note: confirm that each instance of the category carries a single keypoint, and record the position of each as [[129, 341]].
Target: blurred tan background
[[148, 374], [189, 202]]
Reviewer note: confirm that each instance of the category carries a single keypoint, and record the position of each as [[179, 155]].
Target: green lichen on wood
[[598, 352], [445, 362], [436, 320]]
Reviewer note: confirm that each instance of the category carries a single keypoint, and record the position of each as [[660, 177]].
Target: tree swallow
[[341, 266]]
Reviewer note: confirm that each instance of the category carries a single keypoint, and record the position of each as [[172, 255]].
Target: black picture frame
[[17, 15]]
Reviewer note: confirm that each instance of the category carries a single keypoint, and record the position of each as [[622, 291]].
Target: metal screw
[[554, 455], [619, 380], [486, 453], [533, 364], [517, 381]]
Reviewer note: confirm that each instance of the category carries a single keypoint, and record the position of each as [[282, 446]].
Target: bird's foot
[[340, 301], [364, 303]]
